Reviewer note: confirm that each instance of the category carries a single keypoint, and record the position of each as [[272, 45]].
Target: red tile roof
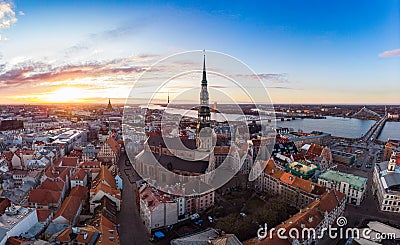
[[4, 204], [55, 172], [79, 191], [104, 176], [52, 185], [314, 151], [109, 234], [80, 174], [113, 144], [44, 197], [90, 164], [86, 232], [69, 208], [105, 188], [64, 236], [306, 218], [69, 162], [287, 178], [43, 214]]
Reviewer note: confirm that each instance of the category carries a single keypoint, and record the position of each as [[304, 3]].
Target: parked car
[[194, 216]]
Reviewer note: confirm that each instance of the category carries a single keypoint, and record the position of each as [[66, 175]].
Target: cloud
[[7, 15], [267, 77], [282, 87], [3, 38], [21, 13], [390, 53], [33, 73]]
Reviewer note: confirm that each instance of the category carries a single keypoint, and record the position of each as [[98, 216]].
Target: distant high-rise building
[[109, 106]]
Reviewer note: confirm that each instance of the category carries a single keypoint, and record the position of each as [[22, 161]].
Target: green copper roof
[[357, 182]]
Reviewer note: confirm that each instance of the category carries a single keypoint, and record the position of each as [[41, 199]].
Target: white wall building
[[157, 210], [353, 186], [386, 184]]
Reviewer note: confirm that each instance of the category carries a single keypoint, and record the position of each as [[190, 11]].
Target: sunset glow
[[63, 95], [323, 54]]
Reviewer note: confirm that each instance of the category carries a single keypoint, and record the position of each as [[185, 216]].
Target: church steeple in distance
[[204, 115], [109, 106]]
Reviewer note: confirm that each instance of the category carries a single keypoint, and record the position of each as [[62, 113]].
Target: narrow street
[[132, 230]]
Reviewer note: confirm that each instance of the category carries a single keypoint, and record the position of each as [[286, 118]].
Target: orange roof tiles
[[306, 218], [314, 151], [109, 234], [113, 144], [303, 184], [69, 208], [69, 162], [104, 176], [86, 233], [64, 236], [80, 174], [79, 191], [105, 188], [43, 214], [287, 178], [90, 164], [55, 172], [270, 169]]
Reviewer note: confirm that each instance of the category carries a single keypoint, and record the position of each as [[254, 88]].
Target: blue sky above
[[327, 51]]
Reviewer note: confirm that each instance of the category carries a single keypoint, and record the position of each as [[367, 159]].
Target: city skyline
[[310, 53]]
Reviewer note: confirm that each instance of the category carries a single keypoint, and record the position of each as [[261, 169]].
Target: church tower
[[204, 133], [204, 115], [109, 106]]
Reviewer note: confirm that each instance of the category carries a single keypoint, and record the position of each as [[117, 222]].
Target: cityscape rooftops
[[389, 180], [356, 182], [69, 162], [80, 174], [55, 172], [206, 237], [288, 178], [13, 215], [52, 185], [104, 176], [44, 197], [302, 167], [69, 208]]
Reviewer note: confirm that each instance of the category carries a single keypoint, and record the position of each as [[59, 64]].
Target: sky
[[319, 52]]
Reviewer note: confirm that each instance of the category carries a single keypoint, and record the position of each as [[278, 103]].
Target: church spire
[[204, 68], [204, 115], [109, 107]]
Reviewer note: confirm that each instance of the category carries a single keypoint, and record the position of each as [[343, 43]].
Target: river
[[391, 130], [336, 126]]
